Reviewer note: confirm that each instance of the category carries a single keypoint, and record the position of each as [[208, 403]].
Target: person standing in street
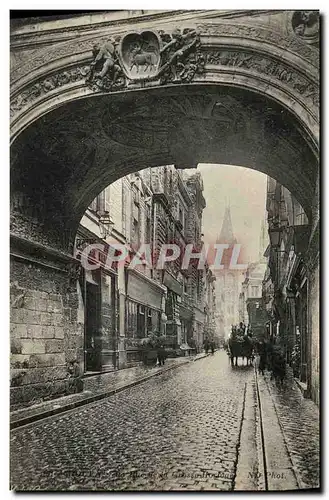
[[161, 354], [262, 356]]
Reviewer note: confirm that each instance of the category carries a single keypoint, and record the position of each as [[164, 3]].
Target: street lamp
[[105, 229], [105, 224], [274, 234]]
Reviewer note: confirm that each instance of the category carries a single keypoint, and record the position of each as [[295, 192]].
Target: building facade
[[287, 287], [122, 306], [252, 311]]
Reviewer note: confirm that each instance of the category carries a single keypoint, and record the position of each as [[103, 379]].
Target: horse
[[277, 365]]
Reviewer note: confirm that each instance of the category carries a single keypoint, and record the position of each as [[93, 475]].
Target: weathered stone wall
[[46, 336]]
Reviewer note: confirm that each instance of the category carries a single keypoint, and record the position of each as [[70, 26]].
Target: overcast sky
[[245, 191]]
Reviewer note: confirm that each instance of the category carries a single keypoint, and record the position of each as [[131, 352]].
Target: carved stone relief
[[306, 25], [295, 44], [154, 58], [140, 54], [145, 57], [267, 66], [45, 85]]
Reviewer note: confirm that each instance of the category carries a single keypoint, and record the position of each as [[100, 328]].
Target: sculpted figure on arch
[[107, 56]]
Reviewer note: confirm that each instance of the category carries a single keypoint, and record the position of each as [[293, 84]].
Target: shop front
[[144, 313], [173, 300]]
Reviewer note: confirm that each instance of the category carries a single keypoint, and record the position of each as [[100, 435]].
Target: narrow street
[[182, 430]]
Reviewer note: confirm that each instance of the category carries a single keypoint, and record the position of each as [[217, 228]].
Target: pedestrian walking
[[261, 348], [161, 354]]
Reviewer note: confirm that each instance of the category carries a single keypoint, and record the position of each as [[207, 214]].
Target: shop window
[[155, 320], [149, 321], [141, 321], [131, 324]]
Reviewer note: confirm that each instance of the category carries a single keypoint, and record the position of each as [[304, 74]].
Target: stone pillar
[[47, 323]]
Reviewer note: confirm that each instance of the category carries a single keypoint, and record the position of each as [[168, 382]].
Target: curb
[[294, 477], [97, 397], [293, 462]]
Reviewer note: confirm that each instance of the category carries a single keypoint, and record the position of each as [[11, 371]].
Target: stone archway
[[251, 81], [242, 93]]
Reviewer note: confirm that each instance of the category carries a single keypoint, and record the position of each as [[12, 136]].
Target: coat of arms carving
[[140, 55], [146, 56]]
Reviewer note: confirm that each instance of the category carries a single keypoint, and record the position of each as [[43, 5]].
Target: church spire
[[226, 234]]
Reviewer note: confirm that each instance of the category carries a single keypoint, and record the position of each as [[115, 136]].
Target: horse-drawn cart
[[240, 347]]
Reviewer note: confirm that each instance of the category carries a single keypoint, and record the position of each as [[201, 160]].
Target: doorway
[[93, 341]]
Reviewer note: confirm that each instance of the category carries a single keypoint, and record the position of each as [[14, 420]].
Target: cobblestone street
[[178, 431]]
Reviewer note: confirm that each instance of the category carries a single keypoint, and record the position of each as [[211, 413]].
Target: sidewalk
[[299, 426], [96, 388]]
